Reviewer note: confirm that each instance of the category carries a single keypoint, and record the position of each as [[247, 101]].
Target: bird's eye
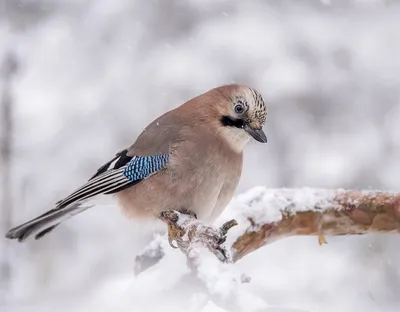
[[239, 108]]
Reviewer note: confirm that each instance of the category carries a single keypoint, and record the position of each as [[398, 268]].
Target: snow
[[264, 205], [211, 307], [210, 287], [93, 74], [267, 205], [225, 286], [225, 282]]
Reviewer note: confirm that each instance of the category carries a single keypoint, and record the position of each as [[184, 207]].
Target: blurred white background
[[91, 74]]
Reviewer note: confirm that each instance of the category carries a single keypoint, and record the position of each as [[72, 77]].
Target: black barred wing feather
[[119, 177]]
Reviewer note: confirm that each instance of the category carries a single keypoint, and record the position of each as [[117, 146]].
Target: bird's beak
[[258, 135]]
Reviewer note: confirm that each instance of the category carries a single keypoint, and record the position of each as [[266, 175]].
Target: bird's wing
[[160, 135], [147, 156], [121, 172]]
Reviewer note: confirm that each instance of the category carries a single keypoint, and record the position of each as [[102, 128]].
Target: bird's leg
[[189, 234]]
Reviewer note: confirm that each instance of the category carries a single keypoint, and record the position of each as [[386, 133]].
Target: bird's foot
[[175, 232], [190, 234]]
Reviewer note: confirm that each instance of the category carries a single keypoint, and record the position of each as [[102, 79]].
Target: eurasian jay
[[189, 159]]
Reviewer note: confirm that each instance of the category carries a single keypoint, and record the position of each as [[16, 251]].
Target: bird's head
[[242, 114]]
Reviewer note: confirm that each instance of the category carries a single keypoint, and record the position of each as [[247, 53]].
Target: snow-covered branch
[[266, 215], [259, 217]]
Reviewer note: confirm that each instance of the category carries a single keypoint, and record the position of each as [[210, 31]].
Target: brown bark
[[350, 213], [345, 213]]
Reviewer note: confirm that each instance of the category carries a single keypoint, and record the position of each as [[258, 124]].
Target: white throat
[[236, 138]]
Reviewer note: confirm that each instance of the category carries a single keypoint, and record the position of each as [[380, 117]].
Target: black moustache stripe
[[229, 121]]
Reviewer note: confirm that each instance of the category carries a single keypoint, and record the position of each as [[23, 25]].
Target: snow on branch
[[266, 215], [259, 217]]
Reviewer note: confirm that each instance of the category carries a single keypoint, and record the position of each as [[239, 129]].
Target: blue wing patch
[[140, 167]]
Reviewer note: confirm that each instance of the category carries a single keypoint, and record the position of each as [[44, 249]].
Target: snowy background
[[92, 73]]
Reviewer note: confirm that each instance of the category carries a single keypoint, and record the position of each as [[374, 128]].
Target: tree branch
[[328, 213], [266, 215], [262, 216]]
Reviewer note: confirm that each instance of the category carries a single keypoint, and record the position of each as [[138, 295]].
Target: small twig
[[150, 256], [227, 226]]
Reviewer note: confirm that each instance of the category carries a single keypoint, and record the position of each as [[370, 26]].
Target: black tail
[[105, 181], [46, 222]]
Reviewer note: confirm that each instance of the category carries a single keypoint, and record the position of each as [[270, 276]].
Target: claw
[[171, 236], [170, 241]]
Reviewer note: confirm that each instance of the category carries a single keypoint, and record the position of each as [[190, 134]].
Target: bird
[[189, 159]]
